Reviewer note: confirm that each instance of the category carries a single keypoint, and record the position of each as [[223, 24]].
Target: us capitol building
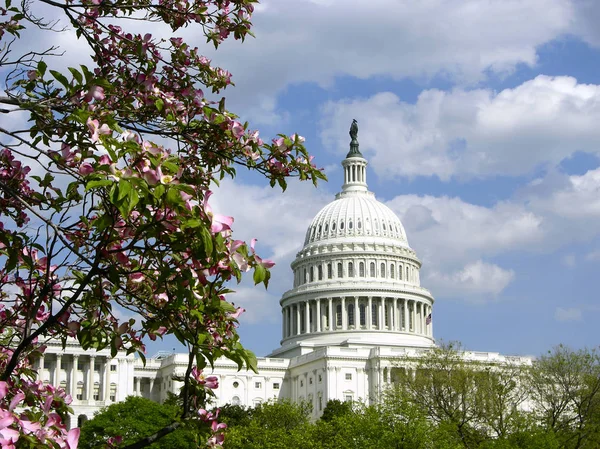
[[355, 313]]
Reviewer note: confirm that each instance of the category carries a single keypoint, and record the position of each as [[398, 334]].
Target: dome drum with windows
[[356, 280]]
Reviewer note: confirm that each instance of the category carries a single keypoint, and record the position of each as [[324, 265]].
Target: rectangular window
[[320, 378], [257, 384], [276, 386], [113, 398], [113, 367], [348, 398], [348, 376], [329, 271], [310, 380], [339, 270]]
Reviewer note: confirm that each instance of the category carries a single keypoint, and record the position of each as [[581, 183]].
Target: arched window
[[338, 315], [305, 276], [363, 313], [312, 274], [349, 224], [387, 315], [382, 270], [361, 269], [392, 271], [329, 271], [342, 224], [81, 419], [326, 227], [340, 273], [320, 228], [383, 225], [374, 314], [407, 273], [320, 269], [350, 270], [359, 224], [351, 315], [333, 226], [400, 272], [236, 401], [372, 269], [376, 225]]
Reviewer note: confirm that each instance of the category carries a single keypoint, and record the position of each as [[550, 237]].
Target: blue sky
[[480, 120]]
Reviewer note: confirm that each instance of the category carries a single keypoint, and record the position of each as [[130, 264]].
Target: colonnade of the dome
[[356, 313]]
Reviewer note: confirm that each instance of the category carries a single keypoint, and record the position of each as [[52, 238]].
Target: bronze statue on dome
[[354, 130]]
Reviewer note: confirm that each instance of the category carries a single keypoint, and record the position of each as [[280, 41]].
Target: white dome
[[357, 215], [356, 279]]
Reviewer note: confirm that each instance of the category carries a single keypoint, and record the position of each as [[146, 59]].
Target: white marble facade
[[355, 313]]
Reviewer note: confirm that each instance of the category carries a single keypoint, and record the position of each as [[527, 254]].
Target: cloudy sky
[[481, 123]]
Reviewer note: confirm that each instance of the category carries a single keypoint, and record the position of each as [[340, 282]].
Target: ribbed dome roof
[[356, 215]]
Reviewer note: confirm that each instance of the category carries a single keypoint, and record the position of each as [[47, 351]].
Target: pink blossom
[[237, 129], [8, 437], [3, 389], [97, 130], [95, 93], [16, 400], [6, 419], [72, 438], [86, 168]]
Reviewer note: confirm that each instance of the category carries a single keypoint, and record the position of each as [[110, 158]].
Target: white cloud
[[301, 41], [570, 314], [569, 260], [476, 282], [447, 231], [593, 256], [471, 133], [261, 306]]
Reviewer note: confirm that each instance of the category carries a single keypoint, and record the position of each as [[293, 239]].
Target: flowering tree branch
[[104, 201]]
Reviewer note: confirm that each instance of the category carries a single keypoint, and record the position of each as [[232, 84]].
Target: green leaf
[[124, 189], [159, 104], [78, 76], [62, 79], [206, 240], [260, 274], [41, 68], [98, 183]]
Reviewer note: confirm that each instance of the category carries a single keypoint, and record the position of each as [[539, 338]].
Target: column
[[318, 314], [90, 379], [57, 369], [106, 380], [405, 315], [297, 319], [431, 324], [381, 323], [370, 313], [290, 321], [356, 314], [74, 369], [151, 386], [344, 314], [396, 326], [283, 323], [306, 317], [41, 368], [330, 314]]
